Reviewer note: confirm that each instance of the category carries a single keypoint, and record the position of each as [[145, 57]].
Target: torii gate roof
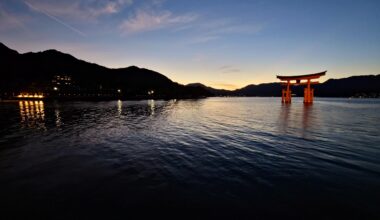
[[300, 77]]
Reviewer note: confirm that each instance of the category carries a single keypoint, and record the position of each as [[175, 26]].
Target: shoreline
[[162, 99]]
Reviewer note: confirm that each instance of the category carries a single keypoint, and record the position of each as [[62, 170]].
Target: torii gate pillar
[[308, 94], [286, 94]]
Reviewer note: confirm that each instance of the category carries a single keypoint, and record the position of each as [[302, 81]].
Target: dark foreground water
[[216, 157]]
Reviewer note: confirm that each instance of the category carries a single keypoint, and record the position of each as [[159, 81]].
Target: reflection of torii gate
[[308, 92]]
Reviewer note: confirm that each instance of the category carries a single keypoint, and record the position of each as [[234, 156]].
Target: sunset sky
[[224, 44]]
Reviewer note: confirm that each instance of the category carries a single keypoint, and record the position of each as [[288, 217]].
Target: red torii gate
[[308, 91]]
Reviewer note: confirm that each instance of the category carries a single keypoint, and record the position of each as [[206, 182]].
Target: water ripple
[[209, 152]]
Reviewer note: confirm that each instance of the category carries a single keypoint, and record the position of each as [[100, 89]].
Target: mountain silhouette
[[213, 91], [365, 85], [354, 86], [35, 71]]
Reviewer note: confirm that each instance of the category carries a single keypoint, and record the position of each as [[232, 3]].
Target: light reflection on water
[[32, 114], [119, 107], [151, 104], [223, 154], [306, 112], [58, 122]]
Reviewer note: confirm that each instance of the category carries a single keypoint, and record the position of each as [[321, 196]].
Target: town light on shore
[[30, 96]]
